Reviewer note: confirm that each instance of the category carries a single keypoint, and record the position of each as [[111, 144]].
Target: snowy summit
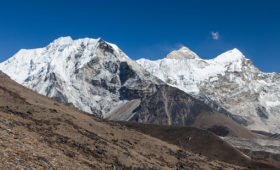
[[229, 82]]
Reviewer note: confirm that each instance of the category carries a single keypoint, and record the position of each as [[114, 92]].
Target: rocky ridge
[[229, 83]]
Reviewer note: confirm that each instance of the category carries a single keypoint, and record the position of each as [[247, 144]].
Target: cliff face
[[171, 106]]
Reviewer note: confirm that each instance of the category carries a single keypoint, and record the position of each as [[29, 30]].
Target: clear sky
[[148, 28]]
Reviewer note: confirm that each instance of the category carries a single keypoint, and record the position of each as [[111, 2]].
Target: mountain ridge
[[97, 77], [229, 83], [61, 68], [226, 80]]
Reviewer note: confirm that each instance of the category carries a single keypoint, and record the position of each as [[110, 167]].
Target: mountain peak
[[230, 56], [63, 40], [236, 52], [183, 48], [182, 53]]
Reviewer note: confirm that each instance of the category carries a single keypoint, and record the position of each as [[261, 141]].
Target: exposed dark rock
[[261, 111], [60, 97], [169, 105], [111, 66], [114, 80], [51, 77], [129, 94], [126, 72], [93, 61], [219, 130], [53, 110], [95, 82], [105, 46]]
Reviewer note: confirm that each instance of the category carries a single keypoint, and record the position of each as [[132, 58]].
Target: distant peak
[[63, 40], [101, 41], [182, 53], [236, 52], [183, 48], [230, 56]]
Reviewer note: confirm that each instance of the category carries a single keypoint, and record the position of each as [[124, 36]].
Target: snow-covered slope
[[97, 77], [91, 74], [229, 81]]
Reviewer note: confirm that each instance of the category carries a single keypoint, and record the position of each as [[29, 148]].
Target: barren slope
[[201, 142], [37, 132]]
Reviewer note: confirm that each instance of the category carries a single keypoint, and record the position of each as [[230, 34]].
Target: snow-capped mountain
[[91, 74], [97, 77], [230, 81]]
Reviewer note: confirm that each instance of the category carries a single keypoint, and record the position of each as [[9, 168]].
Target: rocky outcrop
[[171, 106]]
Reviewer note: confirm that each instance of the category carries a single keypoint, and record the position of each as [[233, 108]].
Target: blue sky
[[148, 28]]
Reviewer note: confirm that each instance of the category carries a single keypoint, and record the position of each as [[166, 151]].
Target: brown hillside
[[37, 132], [198, 141]]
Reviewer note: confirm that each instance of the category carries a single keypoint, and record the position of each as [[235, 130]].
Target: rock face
[[230, 83], [171, 106], [90, 74]]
